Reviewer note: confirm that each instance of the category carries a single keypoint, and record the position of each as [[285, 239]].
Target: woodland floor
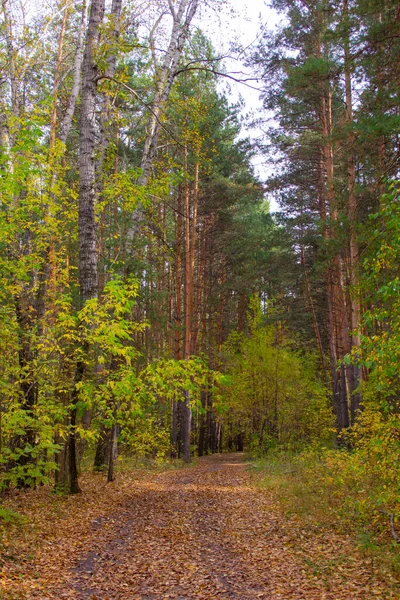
[[205, 532]]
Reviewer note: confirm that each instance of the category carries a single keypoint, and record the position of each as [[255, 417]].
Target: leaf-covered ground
[[202, 532]]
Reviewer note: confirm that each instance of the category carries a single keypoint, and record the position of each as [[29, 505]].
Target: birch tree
[[182, 17]]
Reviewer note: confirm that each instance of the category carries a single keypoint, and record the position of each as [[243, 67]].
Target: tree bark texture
[[87, 170], [86, 214], [11, 56], [354, 298]]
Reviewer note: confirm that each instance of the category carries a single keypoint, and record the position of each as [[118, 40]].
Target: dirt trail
[[204, 532], [189, 534]]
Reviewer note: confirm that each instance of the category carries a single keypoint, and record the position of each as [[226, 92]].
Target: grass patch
[[330, 491]]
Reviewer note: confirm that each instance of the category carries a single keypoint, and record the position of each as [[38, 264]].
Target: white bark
[[182, 18], [69, 114], [11, 55], [87, 145]]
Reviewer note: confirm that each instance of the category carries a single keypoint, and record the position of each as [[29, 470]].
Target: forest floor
[[204, 532]]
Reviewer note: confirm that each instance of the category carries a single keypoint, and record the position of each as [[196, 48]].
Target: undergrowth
[[336, 490]]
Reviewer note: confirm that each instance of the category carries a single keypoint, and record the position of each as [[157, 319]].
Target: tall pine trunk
[[352, 210]]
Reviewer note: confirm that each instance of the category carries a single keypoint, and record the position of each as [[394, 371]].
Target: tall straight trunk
[[222, 307], [354, 298], [178, 284], [188, 289], [104, 136], [106, 103], [57, 77], [338, 331], [66, 123], [200, 326], [336, 307], [176, 412], [87, 145], [12, 66], [193, 239], [52, 260], [380, 86], [200, 333], [86, 214]]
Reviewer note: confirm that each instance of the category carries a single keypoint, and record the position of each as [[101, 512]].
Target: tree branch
[[393, 529], [144, 103], [219, 74]]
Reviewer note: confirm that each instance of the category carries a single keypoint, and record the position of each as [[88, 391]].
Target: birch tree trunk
[[87, 171], [11, 56], [182, 18], [86, 214], [65, 126]]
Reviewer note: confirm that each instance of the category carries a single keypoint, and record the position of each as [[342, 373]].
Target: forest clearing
[[199, 262]]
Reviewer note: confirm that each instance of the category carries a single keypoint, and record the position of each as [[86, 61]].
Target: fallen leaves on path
[[205, 532]]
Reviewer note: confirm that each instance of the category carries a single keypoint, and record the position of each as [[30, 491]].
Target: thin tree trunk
[[113, 446], [338, 321], [15, 84], [188, 288], [182, 18], [175, 432], [65, 126], [193, 239]]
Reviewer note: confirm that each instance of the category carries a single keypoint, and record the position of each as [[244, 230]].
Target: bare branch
[[393, 529], [219, 74], [146, 105]]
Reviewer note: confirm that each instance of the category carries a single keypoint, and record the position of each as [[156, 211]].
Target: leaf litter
[[205, 532]]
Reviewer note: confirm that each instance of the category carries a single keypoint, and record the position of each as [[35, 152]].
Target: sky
[[244, 25]]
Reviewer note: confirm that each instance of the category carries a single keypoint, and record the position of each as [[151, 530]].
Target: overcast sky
[[244, 26]]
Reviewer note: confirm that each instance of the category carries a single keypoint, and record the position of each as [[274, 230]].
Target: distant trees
[[274, 396]]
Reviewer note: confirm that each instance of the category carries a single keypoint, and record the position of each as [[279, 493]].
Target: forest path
[[202, 532], [197, 532]]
